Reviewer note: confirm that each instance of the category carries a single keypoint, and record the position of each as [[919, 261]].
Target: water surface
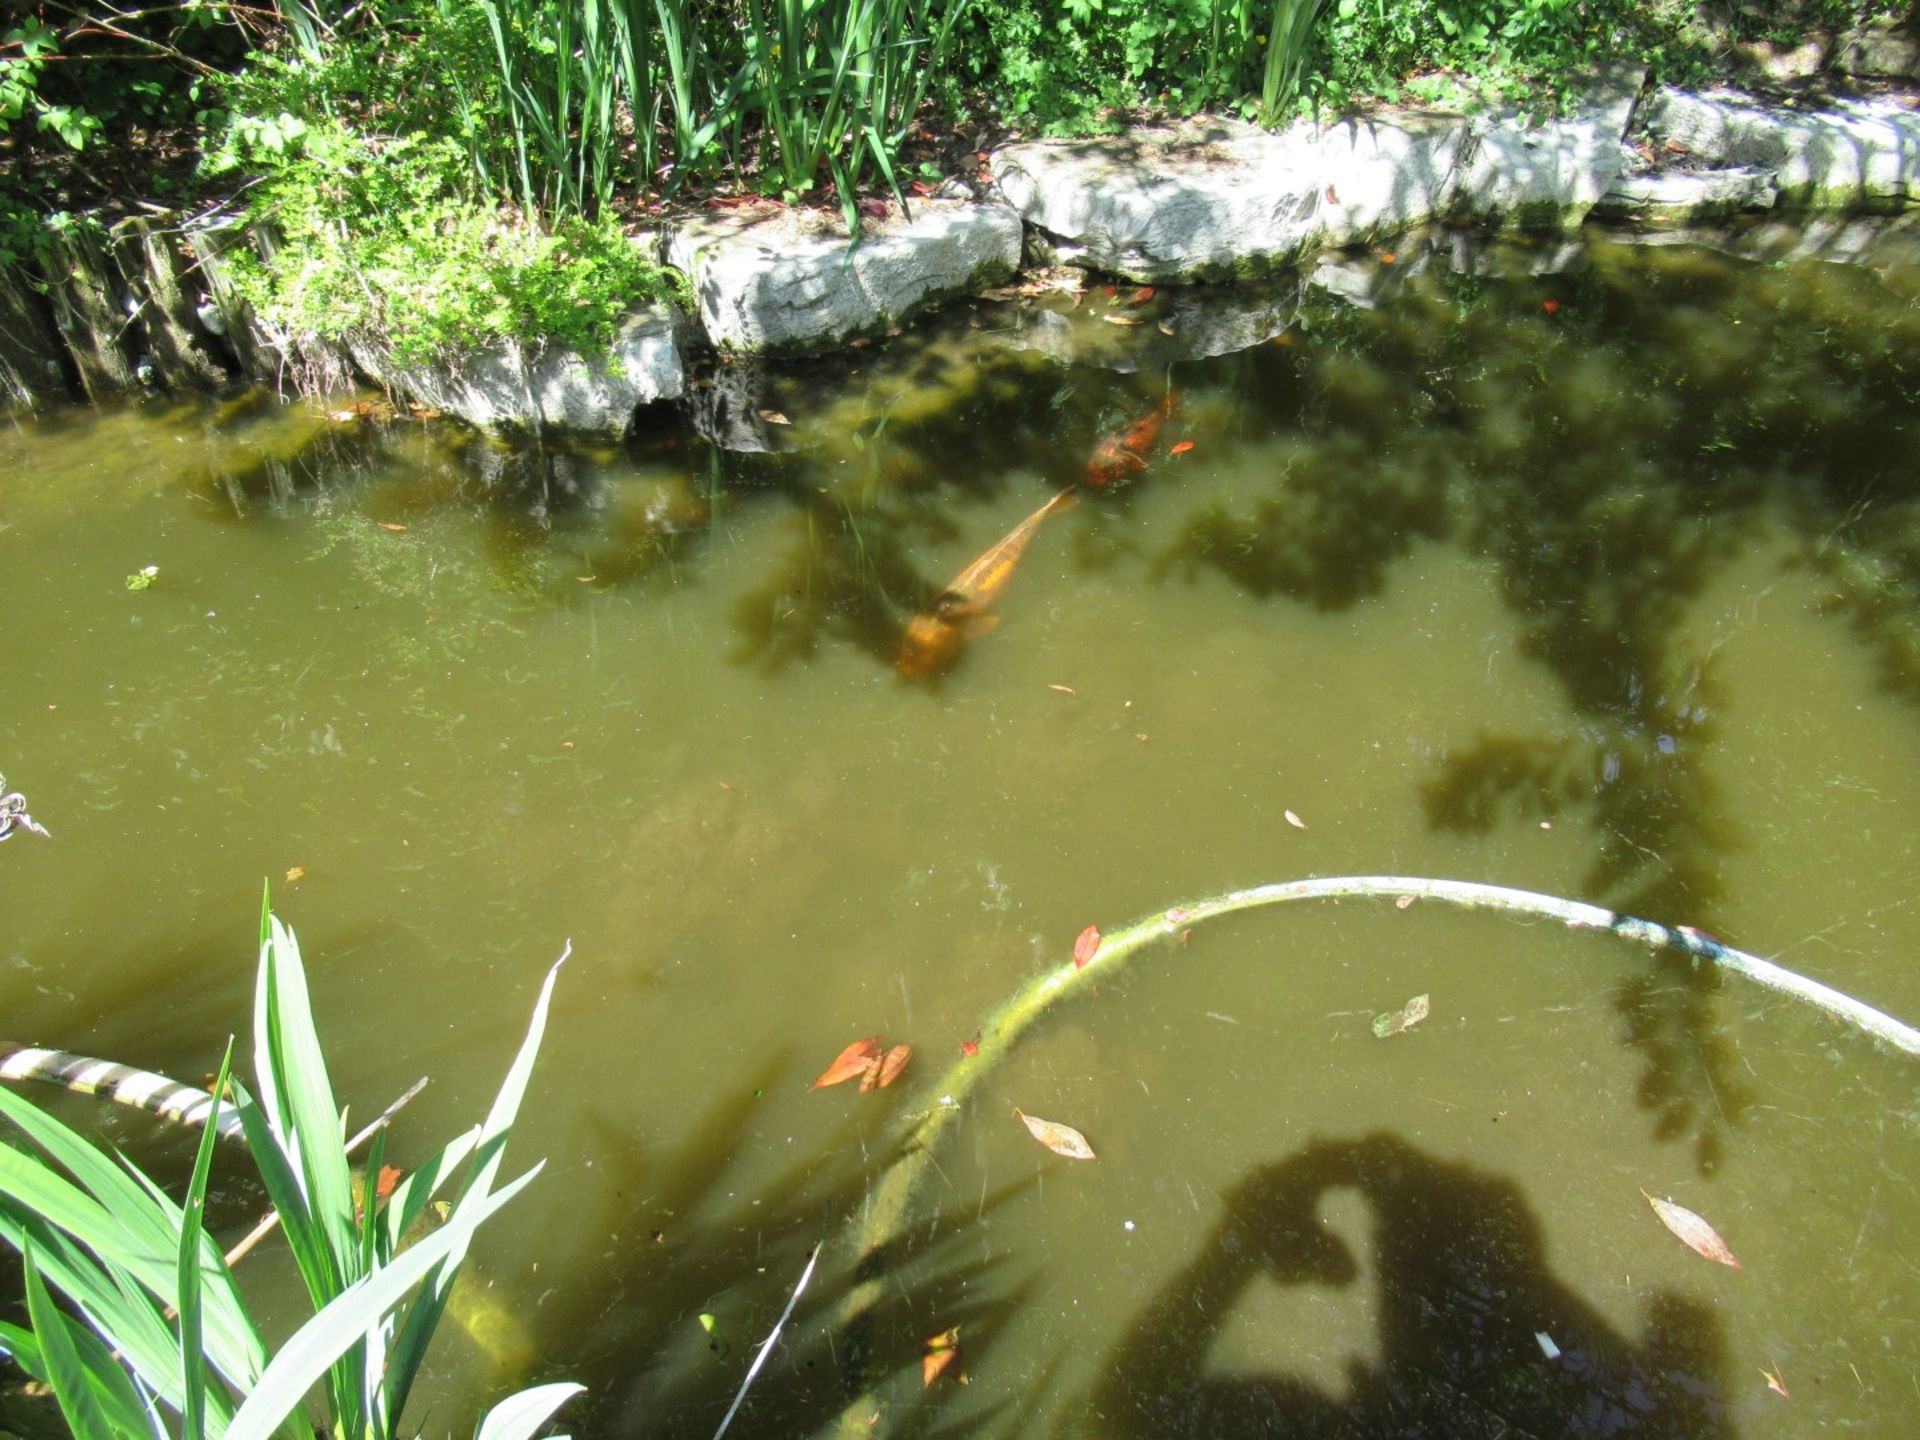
[[1594, 572]]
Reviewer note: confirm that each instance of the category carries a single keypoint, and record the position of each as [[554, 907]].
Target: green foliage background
[[446, 171]]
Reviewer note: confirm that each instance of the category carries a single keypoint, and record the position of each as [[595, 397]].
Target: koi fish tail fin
[[1066, 499]]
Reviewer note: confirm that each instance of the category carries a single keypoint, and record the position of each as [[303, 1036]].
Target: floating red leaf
[[853, 1061], [1181, 448], [1141, 296], [971, 1047], [1085, 946]]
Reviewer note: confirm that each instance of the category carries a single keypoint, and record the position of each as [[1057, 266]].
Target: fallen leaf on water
[[1061, 1139], [383, 1183], [1775, 1383], [1294, 820], [1405, 1018], [1064, 689], [1181, 448], [971, 1047], [1085, 946], [1404, 902], [850, 1062], [1166, 327], [298, 872], [1693, 1232], [774, 417], [1141, 296], [888, 1070], [943, 1354], [1120, 319], [391, 525]]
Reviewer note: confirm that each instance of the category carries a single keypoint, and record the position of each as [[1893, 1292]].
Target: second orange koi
[[1126, 453]]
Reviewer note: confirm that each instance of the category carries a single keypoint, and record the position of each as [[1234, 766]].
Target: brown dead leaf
[[1693, 1232], [1061, 1139], [1064, 689], [391, 525], [853, 1061], [298, 872], [942, 1355], [889, 1068]]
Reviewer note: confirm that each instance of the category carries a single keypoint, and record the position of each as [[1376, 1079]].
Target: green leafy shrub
[[388, 238]]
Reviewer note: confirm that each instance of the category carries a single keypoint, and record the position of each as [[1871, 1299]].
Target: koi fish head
[[934, 641]]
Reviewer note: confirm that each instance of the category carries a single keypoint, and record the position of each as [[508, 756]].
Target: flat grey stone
[[1856, 153], [795, 284], [1678, 197], [1547, 176], [509, 388], [1207, 200]]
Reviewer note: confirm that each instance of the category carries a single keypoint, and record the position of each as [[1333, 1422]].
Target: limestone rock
[[510, 388], [1858, 153], [792, 284], [1880, 47], [1207, 200], [1550, 175], [1679, 197], [1382, 176]]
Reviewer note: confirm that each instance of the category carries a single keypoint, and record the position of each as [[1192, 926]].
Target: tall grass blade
[[519, 1417], [115, 1393], [193, 1361], [60, 1356]]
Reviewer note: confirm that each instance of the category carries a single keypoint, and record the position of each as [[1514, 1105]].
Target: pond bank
[[1201, 202]]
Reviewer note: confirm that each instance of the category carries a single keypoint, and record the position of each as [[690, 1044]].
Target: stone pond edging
[[1200, 201]]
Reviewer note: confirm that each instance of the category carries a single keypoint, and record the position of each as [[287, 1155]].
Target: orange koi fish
[[934, 640], [1126, 453]]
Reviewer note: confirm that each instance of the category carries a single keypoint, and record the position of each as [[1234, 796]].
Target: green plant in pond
[[156, 1320], [387, 238]]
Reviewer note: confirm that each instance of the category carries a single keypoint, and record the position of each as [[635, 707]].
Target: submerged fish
[[1126, 453], [934, 640]]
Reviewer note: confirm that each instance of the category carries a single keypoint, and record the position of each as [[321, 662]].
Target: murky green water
[[1594, 573]]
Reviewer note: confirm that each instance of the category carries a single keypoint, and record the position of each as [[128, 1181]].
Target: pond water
[[1593, 571]]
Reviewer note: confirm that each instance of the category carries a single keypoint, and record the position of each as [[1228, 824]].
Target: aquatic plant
[[160, 1320]]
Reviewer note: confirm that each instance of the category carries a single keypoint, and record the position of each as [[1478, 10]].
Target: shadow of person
[[1461, 1296]]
